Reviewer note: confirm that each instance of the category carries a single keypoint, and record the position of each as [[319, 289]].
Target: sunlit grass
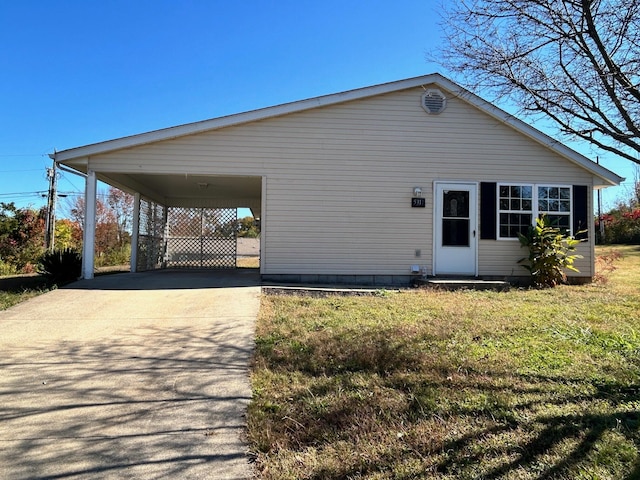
[[248, 262], [430, 384], [11, 298]]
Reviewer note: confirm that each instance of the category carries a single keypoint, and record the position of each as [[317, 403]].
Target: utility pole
[[600, 222], [49, 239]]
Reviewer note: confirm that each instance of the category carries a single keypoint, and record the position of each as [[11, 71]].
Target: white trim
[[135, 233], [263, 225], [165, 235], [475, 218], [240, 118], [89, 233], [535, 210], [76, 157], [498, 211], [571, 203]]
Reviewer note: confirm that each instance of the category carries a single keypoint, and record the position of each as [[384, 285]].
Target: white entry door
[[456, 229]]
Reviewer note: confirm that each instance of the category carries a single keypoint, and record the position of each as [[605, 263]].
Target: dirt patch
[[248, 247]]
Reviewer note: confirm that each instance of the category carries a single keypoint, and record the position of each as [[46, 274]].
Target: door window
[[455, 218]]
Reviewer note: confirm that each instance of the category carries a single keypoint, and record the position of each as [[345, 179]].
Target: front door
[[455, 219]]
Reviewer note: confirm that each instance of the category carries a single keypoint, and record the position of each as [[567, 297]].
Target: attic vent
[[434, 101]]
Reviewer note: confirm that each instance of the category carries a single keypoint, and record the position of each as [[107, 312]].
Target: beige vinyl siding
[[339, 179], [500, 257]]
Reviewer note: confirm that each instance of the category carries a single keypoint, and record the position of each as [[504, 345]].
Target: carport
[[180, 220], [349, 188]]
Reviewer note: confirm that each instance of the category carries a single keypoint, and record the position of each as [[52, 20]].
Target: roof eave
[[241, 118], [608, 177], [77, 157]]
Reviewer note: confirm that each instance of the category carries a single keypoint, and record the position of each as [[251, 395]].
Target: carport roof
[[77, 158]]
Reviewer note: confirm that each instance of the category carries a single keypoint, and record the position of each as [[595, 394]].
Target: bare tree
[[575, 61], [121, 205]]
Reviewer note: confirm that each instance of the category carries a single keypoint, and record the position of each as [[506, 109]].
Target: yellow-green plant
[[550, 253]]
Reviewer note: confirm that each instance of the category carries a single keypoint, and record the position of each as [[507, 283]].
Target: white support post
[[135, 232], [165, 236], [263, 226], [89, 237]]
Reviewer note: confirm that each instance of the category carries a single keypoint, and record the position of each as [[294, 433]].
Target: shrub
[[114, 256], [7, 268], [21, 237], [605, 265], [621, 225], [549, 253], [61, 266]]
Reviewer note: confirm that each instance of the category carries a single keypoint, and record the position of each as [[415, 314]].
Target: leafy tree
[[622, 223], [248, 227], [113, 219], [576, 62], [187, 222], [68, 234], [121, 205], [242, 227], [21, 237]]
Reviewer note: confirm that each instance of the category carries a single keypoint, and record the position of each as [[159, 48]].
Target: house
[[368, 186]]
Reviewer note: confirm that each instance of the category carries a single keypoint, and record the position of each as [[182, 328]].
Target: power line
[[42, 192], [64, 177], [23, 155]]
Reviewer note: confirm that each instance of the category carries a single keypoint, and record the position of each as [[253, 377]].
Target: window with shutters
[[520, 204], [555, 203]]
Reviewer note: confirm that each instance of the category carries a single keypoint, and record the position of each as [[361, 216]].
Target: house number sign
[[418, 202]]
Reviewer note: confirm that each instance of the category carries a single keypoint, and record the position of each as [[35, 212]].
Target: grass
[[526, 384], [248, 262], [13, 297], [18, 288]]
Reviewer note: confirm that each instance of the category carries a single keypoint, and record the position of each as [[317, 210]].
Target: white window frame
[[568, 214], [535, 210]]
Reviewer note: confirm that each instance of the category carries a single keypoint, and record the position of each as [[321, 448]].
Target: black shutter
[[488, 210], [581, 211]]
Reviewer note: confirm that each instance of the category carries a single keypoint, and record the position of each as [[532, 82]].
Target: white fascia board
[[81, 154], [609, 178], [240, 118]]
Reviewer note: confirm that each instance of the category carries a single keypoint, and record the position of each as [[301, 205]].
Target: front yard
[[526, 384]]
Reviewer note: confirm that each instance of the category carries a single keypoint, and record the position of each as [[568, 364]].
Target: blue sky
[[80, 72]]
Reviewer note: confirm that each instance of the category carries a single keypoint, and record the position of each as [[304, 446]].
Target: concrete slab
[[465, 284], [129, 376]]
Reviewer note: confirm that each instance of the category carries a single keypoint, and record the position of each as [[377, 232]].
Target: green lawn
[[527, 384], [9, 299], [14, 290]]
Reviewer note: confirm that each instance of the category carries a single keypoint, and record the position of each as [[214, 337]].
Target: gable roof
[[82, 153]]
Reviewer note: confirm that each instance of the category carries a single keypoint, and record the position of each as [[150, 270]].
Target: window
[[515, 206], [555, 203], [520, 204], [455, 218]]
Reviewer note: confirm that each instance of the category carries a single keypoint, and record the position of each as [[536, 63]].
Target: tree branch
[[576, 61]]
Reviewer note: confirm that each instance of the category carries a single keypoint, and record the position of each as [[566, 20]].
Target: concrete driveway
[[139, 375]]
